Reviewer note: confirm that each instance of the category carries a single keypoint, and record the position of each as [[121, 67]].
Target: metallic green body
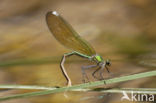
[[99, 58]]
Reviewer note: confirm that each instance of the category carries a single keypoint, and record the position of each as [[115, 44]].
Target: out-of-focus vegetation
[[121, 30]]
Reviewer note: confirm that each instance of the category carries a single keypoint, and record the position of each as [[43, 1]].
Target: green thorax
[[98, 58]]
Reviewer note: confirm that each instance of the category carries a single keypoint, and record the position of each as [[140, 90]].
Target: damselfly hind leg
[[64, 71], [69, 83]]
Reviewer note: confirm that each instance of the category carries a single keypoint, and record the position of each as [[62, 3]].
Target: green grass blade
[[29, 87], [82, 86], [105, 90]]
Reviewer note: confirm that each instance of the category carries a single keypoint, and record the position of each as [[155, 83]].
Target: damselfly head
[[108, 63]]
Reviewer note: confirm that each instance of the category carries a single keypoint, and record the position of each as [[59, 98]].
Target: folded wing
[[66, 35]]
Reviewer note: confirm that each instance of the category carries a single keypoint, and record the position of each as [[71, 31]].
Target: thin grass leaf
[[106, 90], [83, 86], [29, 87]]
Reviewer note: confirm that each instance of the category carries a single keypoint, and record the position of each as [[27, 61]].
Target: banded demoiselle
[[67, 36]]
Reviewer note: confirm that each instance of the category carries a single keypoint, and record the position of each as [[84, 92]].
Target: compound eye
[[108, 63]]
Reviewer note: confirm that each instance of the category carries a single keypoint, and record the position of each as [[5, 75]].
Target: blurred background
[[120, 30]]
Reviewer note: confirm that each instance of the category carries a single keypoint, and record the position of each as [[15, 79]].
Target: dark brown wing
[[66, 35]]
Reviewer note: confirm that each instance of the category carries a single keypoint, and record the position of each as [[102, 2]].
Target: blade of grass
[[27, 87], [107, 90], [82, 86]]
